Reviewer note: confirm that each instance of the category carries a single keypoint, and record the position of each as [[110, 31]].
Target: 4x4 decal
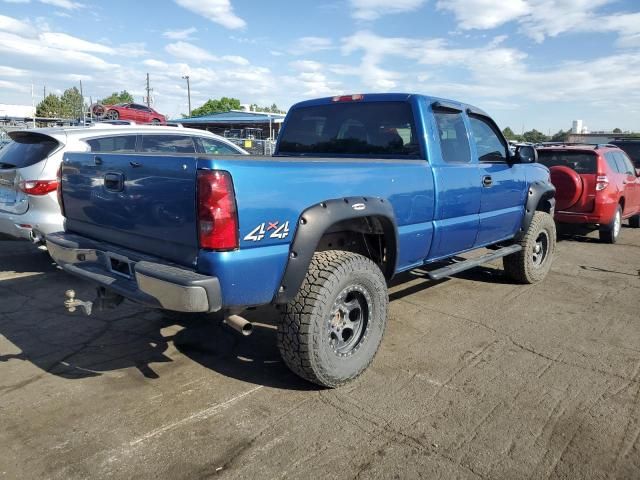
[[277, 230]]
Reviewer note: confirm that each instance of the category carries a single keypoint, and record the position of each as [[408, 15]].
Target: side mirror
[[526, 154]]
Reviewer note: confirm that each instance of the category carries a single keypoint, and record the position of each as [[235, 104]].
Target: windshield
[[373, 129], [26, 149], [581, 162]]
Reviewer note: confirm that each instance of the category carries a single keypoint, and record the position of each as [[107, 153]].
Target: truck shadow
[[38, 330]]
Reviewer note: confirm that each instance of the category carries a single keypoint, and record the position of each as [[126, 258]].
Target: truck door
[[457, 185], [503, 185]]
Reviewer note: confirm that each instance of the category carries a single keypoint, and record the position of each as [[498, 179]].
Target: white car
[[29, 164]]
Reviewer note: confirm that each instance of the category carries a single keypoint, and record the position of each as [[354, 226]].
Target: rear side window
[[369, 129], [115, 144], [489, 146], [611, 162], [214, 147], [26, 149], [581, 162], [632, 149], [624, 164], [167, 144], [454, 142]]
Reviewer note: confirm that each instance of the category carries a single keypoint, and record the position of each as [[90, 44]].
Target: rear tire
[[112, 115], [634, 222], [611, 232], [532, 263], [330, 332]]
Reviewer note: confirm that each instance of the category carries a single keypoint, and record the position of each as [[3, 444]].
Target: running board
[[458, 267]]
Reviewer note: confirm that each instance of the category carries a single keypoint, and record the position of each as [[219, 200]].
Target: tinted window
[[454, 142], [581, 162], [214, 147], [632, 149], [373, 129], [488, 144], [167, 144], [26, 149], [122, 143], [611, 161], [624, 164]]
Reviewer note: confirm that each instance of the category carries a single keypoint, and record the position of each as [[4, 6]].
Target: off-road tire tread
[[294, 339], [516, 265]]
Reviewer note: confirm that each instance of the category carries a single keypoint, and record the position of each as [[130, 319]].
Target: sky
[[529, 63]]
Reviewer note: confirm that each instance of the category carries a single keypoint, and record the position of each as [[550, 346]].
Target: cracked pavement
[[476, 378]]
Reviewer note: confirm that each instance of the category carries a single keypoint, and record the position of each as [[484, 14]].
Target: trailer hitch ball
[[71, 303]]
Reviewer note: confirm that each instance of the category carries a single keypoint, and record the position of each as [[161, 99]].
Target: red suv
[[595, 185]]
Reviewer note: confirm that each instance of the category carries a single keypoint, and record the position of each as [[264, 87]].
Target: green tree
[[223, 104], [560, 136], [115, 97], [272, 109], [617, 130], [50, 107], [72, 103], [508, 134], [534, 136]]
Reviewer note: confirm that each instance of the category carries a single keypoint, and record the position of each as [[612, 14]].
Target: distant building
[[17, 111], [578, 127], [237, 123], [597, 137]]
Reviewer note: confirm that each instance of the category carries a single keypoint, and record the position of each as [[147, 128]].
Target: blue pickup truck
[[360, 188]]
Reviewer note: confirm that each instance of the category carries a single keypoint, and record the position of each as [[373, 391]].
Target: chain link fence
[[255, 147]]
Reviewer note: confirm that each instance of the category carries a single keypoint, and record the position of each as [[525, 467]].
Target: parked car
[[129, 111], [361, 187], [595, 185], [631, 148], [28, 204]]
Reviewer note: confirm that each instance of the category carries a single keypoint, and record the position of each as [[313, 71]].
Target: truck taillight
[[217, 215], [59, 189], [601, 182], [38, 187]]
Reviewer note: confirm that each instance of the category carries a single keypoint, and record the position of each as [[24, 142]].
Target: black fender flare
[[316, 220], [538, 193]]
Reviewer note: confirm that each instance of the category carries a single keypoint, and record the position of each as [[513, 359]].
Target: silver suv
[[29, 164]]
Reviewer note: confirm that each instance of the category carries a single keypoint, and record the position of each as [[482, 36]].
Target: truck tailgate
[[142, 202]]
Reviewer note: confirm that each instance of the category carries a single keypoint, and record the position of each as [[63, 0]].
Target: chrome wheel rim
[[348, 323], [540, 249]]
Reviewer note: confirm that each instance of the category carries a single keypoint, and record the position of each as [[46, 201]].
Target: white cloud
[[156, 64], [66, 4], [306, 45], [238, 60], [9, 24], [188, 51], [180, 34], [12, 72], [17, 1], [483, 14], [373, 9], [68, 42], [218, 11], [540, 19], [18, 87]]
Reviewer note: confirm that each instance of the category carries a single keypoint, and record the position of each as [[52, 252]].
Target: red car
[[595, 185], [129, 111]]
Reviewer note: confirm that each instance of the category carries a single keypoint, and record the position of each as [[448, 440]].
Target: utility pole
[[186, 77], [149, 90], [44, 92], [82, 104]]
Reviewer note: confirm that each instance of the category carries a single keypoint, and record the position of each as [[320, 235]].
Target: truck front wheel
[[532, 263], [330, 332]]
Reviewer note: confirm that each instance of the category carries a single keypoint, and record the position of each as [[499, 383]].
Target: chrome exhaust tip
[[239, 324]]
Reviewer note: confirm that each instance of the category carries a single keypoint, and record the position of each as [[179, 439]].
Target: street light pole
[[186, 77]]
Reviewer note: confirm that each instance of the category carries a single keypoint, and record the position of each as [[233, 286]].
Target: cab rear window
[[581, 162], [26, 149], [373, 129]]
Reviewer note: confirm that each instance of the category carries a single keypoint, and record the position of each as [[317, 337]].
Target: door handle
[[114, 182], [487, 181]]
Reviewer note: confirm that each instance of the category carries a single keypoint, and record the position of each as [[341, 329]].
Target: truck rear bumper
[[143, 279]]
